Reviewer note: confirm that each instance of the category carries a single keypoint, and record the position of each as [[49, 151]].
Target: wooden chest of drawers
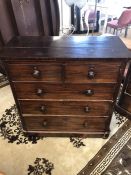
[[66, 86]]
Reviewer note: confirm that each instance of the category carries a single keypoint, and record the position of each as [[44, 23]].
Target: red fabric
[[113, 24], [123, 21]]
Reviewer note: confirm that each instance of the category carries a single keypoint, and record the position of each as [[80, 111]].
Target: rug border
[[95, 161]]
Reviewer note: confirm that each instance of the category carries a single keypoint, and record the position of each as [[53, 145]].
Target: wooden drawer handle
[[36, 73], [45, 123], [87, 109], [43, 108], [86, 124], [89, 92], [39, 92], [91, 74]]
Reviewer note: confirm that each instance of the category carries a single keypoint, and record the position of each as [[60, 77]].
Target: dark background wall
[[28, 18]]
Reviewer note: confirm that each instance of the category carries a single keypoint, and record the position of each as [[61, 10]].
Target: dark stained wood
[[62, 123], [126, 102], [28, 18], [103, 42], [55, 16], [50, 75], [25, 19], [2, 69], [86, 108], [1, 41], [46, 17], [102, 72], [72, 48], [123, 102], [65, 86], [89, 134], [128, 90], [128, 87], [67, 91], [50, 17], [73, 72], [12, 17], [39, 17], [6, 25]]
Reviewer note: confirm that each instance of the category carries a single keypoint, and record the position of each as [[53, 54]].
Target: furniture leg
[[126, 30], [114, 32]]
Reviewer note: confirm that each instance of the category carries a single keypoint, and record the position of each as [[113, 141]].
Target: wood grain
[[66, 86], [73, 72], [64, 91], [94, 108], [65, 124]]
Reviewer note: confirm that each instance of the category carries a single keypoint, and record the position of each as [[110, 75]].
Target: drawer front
[[62, 123], [128, 89], [78, 72], [65, 91], [37, 72], [89, 108], [96, 72]]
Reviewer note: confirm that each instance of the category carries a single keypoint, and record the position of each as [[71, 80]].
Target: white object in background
[[80, 3], [69, 2]]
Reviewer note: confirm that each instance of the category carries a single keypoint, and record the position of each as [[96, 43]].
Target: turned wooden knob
[[44, 123], [91, 74], [87, 109], [86, 124], [39, 92], [43, 108], [36, 72], [88, 92]]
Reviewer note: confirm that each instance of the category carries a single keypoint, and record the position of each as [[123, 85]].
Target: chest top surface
[[59, 48]]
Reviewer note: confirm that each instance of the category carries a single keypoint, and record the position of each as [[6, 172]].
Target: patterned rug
[[3, 80], [24, 155], [114, 158]]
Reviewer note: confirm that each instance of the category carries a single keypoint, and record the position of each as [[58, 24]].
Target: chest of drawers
[[67, 86]]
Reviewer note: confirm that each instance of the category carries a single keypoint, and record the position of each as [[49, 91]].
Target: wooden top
[[127, 42], [73, 47]]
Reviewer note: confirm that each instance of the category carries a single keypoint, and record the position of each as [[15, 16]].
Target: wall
[[28, 17]]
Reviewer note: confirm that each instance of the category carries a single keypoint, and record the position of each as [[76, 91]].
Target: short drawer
[[66, 91], [77, 108], [66, 124], [35, 72], [92, 72]]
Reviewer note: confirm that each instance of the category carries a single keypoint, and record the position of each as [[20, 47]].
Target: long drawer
[[78, 72], [67, 124], [88, 108], [64, 91]]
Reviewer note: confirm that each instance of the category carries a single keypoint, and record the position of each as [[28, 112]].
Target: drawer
[[70, 72], [93, 72], [88, 108], [35, 72], [65, 91], [66, 124]]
